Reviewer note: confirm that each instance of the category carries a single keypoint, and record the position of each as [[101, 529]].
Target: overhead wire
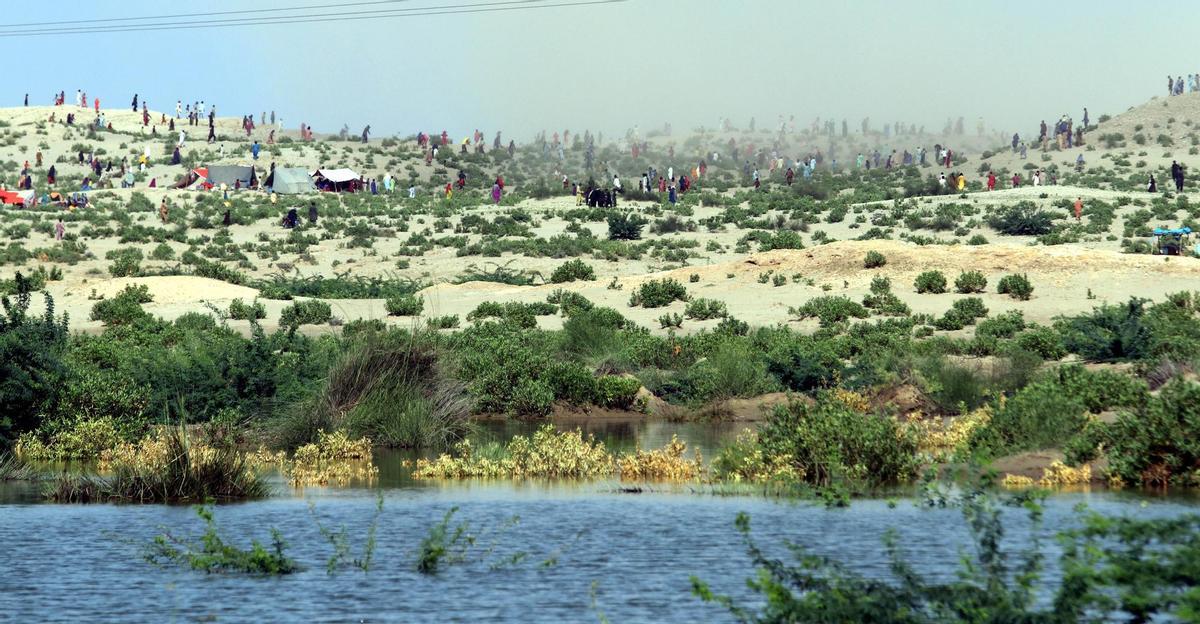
[[458, 9]]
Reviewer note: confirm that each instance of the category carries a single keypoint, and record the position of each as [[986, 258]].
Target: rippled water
[[633, 552]]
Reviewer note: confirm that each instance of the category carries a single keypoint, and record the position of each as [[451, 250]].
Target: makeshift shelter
[[291, 181], [338, 180], [195, 177], [232, 176], [12, 198]]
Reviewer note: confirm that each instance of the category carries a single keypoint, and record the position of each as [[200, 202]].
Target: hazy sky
[[612, 66]]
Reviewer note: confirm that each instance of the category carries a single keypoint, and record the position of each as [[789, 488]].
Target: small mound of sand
[[175, 289]]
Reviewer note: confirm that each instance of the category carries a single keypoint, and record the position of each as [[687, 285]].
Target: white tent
[[337, 176]]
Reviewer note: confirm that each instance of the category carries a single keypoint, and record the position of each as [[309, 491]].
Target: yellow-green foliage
[[745, 461], [665, 464], [548, 453], [939, 441], [561, 454], [86, 439], [334, 458]]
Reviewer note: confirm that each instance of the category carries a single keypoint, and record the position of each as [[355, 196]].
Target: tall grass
[[13, 469], [393, 389], [170, 467]]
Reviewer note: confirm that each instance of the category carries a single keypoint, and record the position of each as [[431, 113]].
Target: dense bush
[[571, 271], [32, 349], [829, 310], [240, 310], [658, 293], [874, 260], [126, 262], [930, 282], [310, 312], [404, 305], [124, 308], [829, 442], [625, 227], [702, 309], [969, 282], [1015, 286], [1022, 219], [1156, 444]]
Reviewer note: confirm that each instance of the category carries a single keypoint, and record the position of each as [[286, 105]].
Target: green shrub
[[1042, 340], [123, 309], [162, 252], [1015, 286], [449, 321], [569, 302], [829, 442], [572, 382], [1023, 219], [874, 260], [829, 310], [1156, 444], [930, 282], [532, 399], [571, 271], [702, 309], [969, 282], [1002, 326], [658, 293], [310, 312], [404, 305], [617, 392], [126, 262], [239, 310], [625, 227]]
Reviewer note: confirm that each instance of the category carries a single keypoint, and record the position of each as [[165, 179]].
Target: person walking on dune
[[135, 102], [1177, 176], [1078, 209]]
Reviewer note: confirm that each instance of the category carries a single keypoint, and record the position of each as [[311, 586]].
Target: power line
[[525, 5], [252, 21], [210, 13]]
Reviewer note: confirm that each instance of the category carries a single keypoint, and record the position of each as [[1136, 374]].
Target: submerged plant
[[213, 554]]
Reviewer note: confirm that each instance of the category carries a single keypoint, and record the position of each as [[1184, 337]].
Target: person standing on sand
[[163, 211], [495, 193], [1078, 209], [1016, 180], [254, 149], [991, 181], [312, 213], [1085, 117], [1177, 176], [1153, 185], [26, 99], [135, 102]]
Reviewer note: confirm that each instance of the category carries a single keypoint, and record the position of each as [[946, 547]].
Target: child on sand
[[163, 211]]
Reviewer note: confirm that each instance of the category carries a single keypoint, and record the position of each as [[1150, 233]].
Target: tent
[[336, 179], [195, 178], [13, 198], [291, 181], [231, 175]]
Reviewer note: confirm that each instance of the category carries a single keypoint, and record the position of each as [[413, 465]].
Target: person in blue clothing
[[671, 195], [254, 149]]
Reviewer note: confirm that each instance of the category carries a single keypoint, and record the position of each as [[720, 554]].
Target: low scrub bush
[[240, 310], [874, 260], [404, 305], [930, 282], [970, 282], [829, 310], [572, 270], [658, 293], [310, 312], [1015, 286]]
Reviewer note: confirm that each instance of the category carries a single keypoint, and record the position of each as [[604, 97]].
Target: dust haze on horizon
[[640, 62]]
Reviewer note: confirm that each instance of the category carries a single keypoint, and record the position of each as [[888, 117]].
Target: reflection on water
[[83, 562]]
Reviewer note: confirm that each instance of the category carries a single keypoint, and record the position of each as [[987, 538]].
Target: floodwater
[[586, 550]]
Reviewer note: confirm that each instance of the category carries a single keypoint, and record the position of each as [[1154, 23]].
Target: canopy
[[1165, 231], [291, 181], [336, 175], [231, 175], [11, 197]]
